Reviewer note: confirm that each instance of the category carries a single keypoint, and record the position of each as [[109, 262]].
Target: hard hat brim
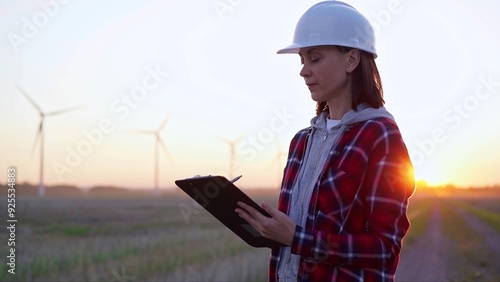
[[295, 48], [292, 49]]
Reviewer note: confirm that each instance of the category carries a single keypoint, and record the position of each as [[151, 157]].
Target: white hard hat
[[333, 23]]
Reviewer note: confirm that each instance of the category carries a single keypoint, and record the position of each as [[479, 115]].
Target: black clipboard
[[219, 196]]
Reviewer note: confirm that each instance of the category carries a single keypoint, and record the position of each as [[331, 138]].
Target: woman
[[344, 196]]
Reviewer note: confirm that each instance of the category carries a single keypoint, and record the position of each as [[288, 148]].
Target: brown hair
[[366, 83]]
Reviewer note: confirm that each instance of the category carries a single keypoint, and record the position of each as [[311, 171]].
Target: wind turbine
[[158, 142], [280, 153], [40, 134], [232, 153]]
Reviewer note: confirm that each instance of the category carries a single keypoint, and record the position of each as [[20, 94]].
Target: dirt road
[[426, 259]]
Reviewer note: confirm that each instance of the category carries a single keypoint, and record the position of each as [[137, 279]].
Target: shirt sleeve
[[386, 187]]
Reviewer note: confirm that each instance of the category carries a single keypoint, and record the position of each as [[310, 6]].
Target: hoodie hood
[[320, 144], [363, 113]]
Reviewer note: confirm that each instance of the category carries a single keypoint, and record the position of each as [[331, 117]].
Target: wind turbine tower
[[278, 161], [232, 154]]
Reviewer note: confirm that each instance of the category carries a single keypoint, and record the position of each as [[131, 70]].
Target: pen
[[236, 178]]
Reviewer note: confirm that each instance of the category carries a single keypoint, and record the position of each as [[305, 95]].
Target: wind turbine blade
[[229, 142], [165, 122], [224, 140], [143, 131], [162, 144], [63, 111], [37, 136], [29, 99]]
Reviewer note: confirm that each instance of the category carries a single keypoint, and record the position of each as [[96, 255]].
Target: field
[[455, 236]]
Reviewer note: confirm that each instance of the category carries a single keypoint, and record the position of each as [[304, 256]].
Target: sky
[[212, 68]]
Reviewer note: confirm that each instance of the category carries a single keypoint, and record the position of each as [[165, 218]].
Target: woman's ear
[[352, 60]]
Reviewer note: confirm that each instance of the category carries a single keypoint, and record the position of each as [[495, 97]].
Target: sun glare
[[430, 174]]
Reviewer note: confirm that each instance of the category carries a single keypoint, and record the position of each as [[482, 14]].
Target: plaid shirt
[[357, 215]]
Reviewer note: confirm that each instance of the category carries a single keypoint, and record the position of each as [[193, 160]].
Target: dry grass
[[419, 211], [96, 239], [487, 210]]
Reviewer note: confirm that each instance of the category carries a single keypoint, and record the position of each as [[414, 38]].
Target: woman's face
[[325, 73]]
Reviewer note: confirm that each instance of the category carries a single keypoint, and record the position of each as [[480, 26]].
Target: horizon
[[419, 184]]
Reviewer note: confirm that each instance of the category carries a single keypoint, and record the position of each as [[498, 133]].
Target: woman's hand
[[279, 227]]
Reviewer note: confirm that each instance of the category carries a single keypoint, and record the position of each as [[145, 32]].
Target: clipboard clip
[[232, 180], [236, 178]]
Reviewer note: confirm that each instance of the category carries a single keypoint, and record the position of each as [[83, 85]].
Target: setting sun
[[431, 174]]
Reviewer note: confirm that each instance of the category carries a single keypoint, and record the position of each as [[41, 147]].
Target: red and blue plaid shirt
[[357, 214]]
